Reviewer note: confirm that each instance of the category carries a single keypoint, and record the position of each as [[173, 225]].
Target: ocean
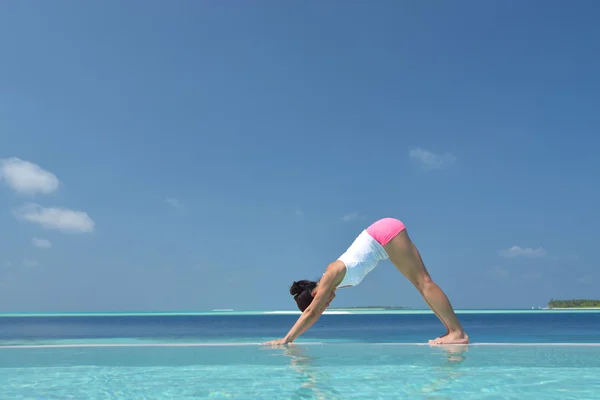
[[498, 326], [514, 354]]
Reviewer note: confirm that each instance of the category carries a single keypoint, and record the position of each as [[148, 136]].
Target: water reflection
[[448, 371], [454, 353], [318, 372], [313, 382]]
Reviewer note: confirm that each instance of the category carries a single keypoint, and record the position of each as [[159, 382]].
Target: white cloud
[[27, 178], [299, 213], [174, 203], [353, 216], [30, 263], [517, 251], [429, 160], [41, 243], [62, 219]]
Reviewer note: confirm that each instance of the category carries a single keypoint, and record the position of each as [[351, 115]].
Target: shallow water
[[303, 371]]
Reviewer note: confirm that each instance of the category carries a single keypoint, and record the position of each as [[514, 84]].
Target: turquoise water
[[320, 371], [514, 355]]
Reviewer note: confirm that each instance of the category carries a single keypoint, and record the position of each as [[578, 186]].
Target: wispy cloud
[[174, 203], [587, 280], [41, 243], [499, 272], [30, 263], [299, 213], [353, 216], [430, 160], [61, 219], [27, 178], [517, 251]]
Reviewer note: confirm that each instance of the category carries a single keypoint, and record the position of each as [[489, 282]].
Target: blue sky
[[196, 155]]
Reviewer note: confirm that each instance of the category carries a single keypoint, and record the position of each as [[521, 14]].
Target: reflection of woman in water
[[447, 372], [311, 379], [315, 383], [455, 354], [386, 238]]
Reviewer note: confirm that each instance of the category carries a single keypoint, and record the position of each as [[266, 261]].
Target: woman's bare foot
[[457, 337], [441, 336]]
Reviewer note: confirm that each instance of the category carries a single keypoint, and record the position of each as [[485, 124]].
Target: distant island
[[575, 303]]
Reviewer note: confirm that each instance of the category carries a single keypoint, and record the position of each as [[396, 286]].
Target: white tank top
[[361, 257]]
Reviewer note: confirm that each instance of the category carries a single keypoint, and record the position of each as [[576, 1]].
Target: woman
[[386, 238]]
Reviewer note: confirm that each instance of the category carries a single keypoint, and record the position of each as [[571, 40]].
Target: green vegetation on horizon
[[575, 303]]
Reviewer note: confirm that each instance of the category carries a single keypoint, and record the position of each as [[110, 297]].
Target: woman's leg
[[437, 315], [405, 256]]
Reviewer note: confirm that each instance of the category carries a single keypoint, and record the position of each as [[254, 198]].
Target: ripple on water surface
[[331, 371]]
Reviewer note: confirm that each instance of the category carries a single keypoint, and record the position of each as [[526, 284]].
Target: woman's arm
[[325, 293]]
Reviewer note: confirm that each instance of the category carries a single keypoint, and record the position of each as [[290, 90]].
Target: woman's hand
[[277, 342], [325, 293]]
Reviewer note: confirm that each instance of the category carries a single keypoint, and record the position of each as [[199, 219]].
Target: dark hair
[[302, 292]]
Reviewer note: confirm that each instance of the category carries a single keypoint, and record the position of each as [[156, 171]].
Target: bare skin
[[407, 259], [405, 256], [322, 297]]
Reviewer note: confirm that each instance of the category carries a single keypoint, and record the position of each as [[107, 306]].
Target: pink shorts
[[385, 229]]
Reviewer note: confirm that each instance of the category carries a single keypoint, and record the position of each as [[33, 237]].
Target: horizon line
[[243, 344], [337, 311]]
